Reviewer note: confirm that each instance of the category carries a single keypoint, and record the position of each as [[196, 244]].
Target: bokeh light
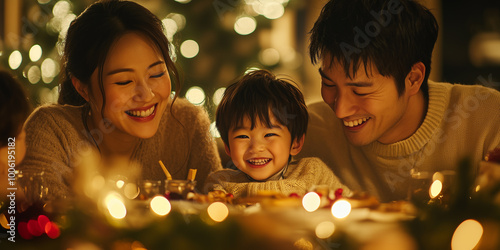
[[34, 228], [341, 209], [179, 19], [49, 70], [245, 25], [170, 28], [52, 230], [15, 59], [269, 56], [311, 201], [65, 22], [119, 184], [195, 95], [435, 188], [131, 190], [214, 131], [35, 53], [61, 9], [467, 235], [189, 48], [325, 229], [218, 211], [34, 74], [219, 93], [183, 1], [115, 207], [273, 10], [160, 205]]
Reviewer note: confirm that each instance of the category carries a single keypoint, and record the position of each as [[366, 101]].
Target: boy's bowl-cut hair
[[254, 96]]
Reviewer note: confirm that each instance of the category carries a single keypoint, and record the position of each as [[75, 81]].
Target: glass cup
[[178, 189], [149, 189], [427, 187], [33, 186]]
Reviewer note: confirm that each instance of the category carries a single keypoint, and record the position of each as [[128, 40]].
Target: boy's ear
[[297, 145], [226, 148], [81, 88], [415, 78]]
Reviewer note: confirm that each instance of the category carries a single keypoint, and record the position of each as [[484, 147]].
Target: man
[[388, 119]]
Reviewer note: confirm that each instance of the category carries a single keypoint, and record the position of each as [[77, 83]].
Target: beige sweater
[[299, 178], [56, 141], [461, 121]]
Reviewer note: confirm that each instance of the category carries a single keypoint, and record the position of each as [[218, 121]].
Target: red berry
[[338, 193], [493, 155], [294, 195], [229, 195]]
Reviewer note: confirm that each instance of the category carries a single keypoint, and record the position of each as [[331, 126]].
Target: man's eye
[[359, 94], [327, 85]]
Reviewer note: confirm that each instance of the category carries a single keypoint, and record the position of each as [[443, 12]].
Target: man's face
[[368, 104]]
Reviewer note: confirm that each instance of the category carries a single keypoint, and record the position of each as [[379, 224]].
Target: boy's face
[[262, 151], [369, 106]]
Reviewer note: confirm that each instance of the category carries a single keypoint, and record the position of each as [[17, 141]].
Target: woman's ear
[[81, 88], [297, 145], [415, 78]]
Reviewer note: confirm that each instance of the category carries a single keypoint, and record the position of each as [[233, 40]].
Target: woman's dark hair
[[392, 34], [91, 35], [14, 107], [254, 96]]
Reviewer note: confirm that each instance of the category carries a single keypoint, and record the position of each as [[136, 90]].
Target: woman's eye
[[123, 83], [158, 75]]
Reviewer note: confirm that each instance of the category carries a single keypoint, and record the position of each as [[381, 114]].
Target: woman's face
[[136, 86]]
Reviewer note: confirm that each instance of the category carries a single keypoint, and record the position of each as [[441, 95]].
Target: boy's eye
[[270, 134], [241, 136]]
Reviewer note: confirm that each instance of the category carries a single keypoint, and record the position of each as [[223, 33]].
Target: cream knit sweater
[[461, 121], [56, 141], [299, 178]]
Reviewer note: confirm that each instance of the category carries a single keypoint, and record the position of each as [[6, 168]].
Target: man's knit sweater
[[298, 178], [461, 121], [57, 140]]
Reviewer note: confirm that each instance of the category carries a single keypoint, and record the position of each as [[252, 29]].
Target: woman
[[115, 95]]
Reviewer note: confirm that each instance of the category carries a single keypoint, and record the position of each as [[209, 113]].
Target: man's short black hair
[[392, 34]]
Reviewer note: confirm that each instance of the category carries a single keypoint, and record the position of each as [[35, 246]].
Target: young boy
[[262, 121]]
